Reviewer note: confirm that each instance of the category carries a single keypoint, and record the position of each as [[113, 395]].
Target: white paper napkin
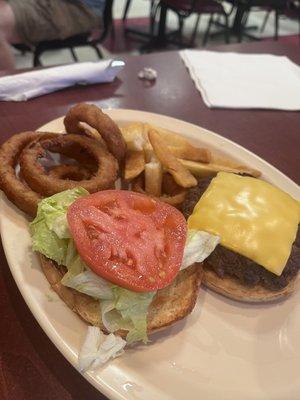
[[233, 80], [24, 86]]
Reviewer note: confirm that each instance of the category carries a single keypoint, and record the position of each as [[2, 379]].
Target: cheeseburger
[[258, 257]]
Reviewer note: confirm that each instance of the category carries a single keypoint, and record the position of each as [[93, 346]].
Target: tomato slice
[[128, 238]]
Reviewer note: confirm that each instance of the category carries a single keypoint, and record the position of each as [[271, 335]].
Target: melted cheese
[[252, 217]]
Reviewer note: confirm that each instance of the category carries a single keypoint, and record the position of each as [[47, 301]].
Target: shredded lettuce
[[98, 348], [120, 308], [48, 243], [75, 268], [128, 310], [90, 284], [49, 229], [198, 247]]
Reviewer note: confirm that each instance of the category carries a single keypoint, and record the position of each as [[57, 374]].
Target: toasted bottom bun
[[168, 306], [233, 289]]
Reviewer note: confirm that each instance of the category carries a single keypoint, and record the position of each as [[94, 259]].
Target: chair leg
[[193, 37], [299, 28], [126, 9], [36, 59], [244, 19], [154, 8], [276, 24], [265, 21], [226, 32], [205, 38], [152, 17], [74, 55], [180, 28], [98, 51]]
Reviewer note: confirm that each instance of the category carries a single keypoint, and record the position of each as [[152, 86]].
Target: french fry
[[218, 160], [169, 186], [180, 146], [172, 138], [175, 200], [153, 178], [202, 169], [176, 155], [189, 152], [135, 136], [181, 175], [134, 164], [148, 151]]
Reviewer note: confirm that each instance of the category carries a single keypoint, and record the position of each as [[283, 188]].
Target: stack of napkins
[[232, 80], [24, 86]]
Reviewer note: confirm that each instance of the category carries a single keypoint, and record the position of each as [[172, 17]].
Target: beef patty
[[226, 262]]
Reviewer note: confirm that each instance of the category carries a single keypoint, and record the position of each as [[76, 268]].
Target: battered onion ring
[[94, 117], [175, 200], [16, 191], [73, 172], [37, 178]]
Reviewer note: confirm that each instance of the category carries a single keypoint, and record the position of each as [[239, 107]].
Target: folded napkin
[[24, 86], [232, 80]]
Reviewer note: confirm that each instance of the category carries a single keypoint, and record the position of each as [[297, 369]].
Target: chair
[[186, 8], [83, 39], [278, 6], [292, 11], [138, 32]]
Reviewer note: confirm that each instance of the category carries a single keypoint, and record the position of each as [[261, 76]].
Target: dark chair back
[[83, 39], [107, 19], [181, 6], [293, 8]]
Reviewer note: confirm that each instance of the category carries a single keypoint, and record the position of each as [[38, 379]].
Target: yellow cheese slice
[[252, 217]]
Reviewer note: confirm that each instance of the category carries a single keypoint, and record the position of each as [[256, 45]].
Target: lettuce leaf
[[120, 308], [198, 247], [134, 307], [49, 229], [98, 348], [128, 310], [48, 243], [88, 283]]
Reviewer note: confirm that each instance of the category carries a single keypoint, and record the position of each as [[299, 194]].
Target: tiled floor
[[140, 8]]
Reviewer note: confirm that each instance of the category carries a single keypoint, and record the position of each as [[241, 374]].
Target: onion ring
[[37, 178], [16, 191], [73, 172], [94, 117]]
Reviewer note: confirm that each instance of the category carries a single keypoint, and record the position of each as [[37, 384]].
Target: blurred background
[[141, 26]]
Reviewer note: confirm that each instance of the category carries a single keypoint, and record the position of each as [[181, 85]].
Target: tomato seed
[[161, 274]]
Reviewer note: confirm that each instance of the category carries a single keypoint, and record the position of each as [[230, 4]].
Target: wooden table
[[30, 366]]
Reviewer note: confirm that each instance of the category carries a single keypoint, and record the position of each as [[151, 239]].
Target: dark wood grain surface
[[30, 366]]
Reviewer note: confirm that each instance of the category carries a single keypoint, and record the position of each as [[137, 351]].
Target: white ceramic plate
[[224, 350]]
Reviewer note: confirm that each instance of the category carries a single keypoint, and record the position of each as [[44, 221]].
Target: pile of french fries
[[164, 164]]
